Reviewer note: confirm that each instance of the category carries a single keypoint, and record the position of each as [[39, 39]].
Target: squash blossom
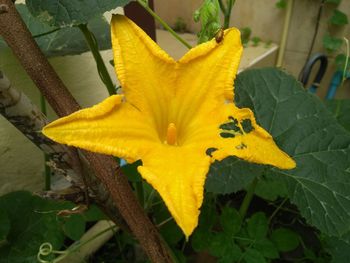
[[176, 116]]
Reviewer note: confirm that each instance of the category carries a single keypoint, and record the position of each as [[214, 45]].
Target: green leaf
[[130, 170], [231, 175], [65, 41], [339, 250], [267, 248], [285, 239], [33, 222], [338, 18], [4, 225], [271, 187], [257, 226], [68, 13], [171, 232], [253, 256], [218, 244], [230, 221], [282, 4], [94, 214], [340, 61], [201, 239], [74, 227], [306, 130], [332, 43], [340, 110]]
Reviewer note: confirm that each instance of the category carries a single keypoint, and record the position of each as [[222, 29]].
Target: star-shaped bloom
[[176, 116]]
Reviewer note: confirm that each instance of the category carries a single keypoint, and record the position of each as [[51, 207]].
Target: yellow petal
[[205, 77], [178, 174], [145, 71], [234, 132], [111, 127]]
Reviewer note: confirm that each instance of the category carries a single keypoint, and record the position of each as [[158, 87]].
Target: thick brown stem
[[19, 39]]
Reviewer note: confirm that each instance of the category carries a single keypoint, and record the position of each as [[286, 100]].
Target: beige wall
[[266, 22]]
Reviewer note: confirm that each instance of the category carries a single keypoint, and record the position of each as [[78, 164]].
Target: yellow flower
[[174, 115]]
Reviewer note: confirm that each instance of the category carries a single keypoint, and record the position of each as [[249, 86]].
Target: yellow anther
[[171, 135]]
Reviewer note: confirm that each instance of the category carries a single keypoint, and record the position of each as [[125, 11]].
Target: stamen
[[171, 135]]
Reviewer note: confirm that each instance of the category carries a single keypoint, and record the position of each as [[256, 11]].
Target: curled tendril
[[46, 249]]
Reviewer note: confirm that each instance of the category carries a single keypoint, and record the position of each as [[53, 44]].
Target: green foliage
[[233, 240], [33, 222], [281, 4], [245, 35], [340, 110], [63, 41], [180, 25], [271, 187], [209, 17], [332, 43], [338, 18], [4, 225], [27, 221], [304, 128], [285, 239], [67, 13], [340, 61], [256, 41]]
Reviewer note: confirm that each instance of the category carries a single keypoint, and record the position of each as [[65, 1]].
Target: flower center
[[171, 135]]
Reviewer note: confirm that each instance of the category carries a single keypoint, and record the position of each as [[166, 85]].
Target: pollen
[[171, 135]]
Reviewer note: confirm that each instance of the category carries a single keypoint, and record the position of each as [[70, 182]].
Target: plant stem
[[248, 198], [277, 209], [227, 13], [346, 60], [162, 22], [101, 66], [47, 170]]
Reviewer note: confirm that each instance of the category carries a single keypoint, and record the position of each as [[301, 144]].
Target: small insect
[[219, 36]]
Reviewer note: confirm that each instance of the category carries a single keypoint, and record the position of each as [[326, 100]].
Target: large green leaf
[[33, 222], [64, 41], [340, 110], [71, 12], [303, 127]]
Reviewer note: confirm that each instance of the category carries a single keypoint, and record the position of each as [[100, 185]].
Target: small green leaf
[[282, 4], [340, 61], [200, 239], [231, 175], [171, 232], [130, 170], [257, 226], [94, 214], [218, 244], [332, 43], [340, 110], [233, 253], [230, 221], [253, 256], [74, 227], [4, 225], [267, 248], [68, 13], [338, 18], [285, 239], [339, 250], [271, 187]]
